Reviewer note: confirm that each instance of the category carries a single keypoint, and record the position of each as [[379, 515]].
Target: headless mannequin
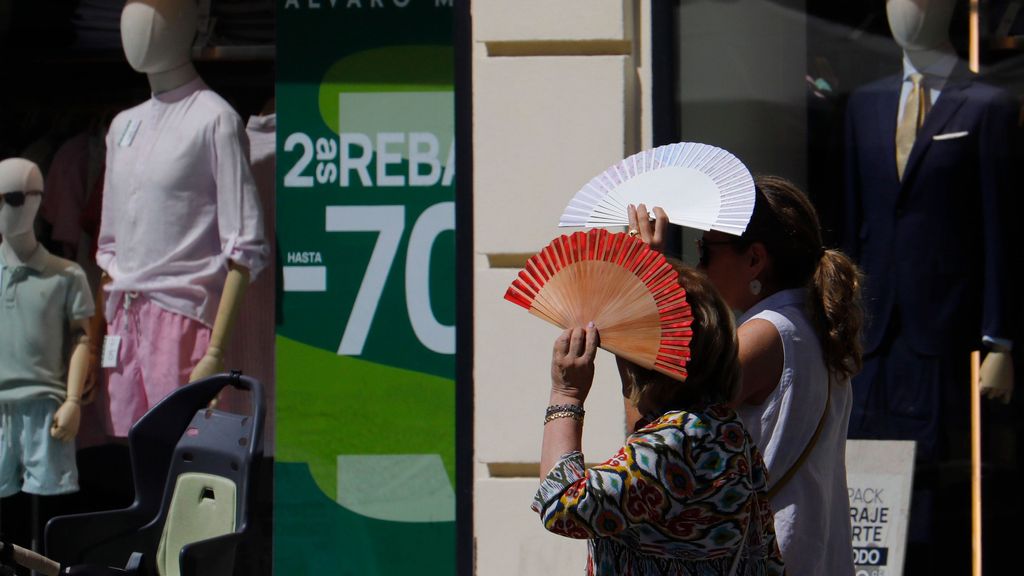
[[16, 227], [157, 38], [921, 28]]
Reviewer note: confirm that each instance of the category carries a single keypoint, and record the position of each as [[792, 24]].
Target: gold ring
[[634, 232]]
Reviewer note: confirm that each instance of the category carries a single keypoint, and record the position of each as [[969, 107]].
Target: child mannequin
[[45, 306], [181, 232]]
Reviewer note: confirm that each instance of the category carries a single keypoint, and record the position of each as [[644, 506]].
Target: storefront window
[[900, 121], [156, 173]]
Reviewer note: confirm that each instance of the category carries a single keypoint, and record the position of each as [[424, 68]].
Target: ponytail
[[835, 310], [784, 220]]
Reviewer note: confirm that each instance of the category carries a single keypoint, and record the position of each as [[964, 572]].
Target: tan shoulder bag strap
[[785, 478]]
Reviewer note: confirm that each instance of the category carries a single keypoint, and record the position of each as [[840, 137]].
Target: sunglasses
[[704, 253], [16, 199]]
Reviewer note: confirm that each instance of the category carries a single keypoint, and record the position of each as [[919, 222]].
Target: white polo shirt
[[38, 301]]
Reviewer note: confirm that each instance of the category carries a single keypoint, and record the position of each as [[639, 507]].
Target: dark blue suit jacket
[[935, 247]]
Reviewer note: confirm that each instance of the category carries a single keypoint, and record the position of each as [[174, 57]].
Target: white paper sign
[[879, 474]]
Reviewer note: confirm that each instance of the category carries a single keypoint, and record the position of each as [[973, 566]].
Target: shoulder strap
[[785, 478]]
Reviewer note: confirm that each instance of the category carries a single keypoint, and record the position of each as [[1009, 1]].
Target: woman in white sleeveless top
[[799, 336]]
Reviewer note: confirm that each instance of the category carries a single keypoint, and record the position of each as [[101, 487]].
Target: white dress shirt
[[935, 76], [179, 202]]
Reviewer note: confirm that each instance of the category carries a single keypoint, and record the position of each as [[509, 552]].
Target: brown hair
[[713, 370], [787, 224]]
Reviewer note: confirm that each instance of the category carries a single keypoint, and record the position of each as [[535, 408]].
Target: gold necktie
[[914, 110]]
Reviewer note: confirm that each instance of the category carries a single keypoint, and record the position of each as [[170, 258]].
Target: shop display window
[[67, 78], [827, 94]]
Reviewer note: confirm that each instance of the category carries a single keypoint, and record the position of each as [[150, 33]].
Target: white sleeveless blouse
[[812, 511]]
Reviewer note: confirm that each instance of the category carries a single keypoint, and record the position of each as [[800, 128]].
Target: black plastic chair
[[179, 446]]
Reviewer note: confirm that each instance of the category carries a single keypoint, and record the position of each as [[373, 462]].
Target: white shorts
[[31, 460]]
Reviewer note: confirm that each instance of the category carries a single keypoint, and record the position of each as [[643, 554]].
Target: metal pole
[[974, 35], [35, 528]]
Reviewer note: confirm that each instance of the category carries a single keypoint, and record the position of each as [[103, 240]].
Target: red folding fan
[[630, 292]]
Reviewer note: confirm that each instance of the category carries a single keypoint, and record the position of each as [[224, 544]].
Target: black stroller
[[193, 469]]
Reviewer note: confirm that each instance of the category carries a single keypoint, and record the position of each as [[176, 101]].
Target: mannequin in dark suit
[[934, 245]]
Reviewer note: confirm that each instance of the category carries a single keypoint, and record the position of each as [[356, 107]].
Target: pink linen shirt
[[179, 202]]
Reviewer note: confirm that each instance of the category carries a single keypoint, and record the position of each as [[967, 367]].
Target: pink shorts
[[159, 349]]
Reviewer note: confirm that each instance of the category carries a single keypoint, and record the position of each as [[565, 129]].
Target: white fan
[[699, 186]]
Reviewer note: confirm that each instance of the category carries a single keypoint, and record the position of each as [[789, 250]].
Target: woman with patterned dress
[[799, 344], [686, 495]]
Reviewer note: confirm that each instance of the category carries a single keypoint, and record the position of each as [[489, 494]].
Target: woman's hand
[[572, 374], [651, 231], [572, 363]]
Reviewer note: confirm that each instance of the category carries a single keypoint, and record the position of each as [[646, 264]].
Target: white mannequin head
[[920, 24], [19, 175], [157, 39]]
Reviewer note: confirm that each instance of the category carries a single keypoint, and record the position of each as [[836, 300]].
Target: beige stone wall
[[558, 97]]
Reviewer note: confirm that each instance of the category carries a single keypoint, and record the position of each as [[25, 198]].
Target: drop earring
[[755, 286]]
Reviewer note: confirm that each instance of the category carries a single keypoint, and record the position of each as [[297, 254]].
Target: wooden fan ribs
[[628, 290]]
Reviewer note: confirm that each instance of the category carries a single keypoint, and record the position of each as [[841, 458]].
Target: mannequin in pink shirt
[[181, 233]]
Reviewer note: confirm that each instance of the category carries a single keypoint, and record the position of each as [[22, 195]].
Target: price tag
[[111, 345], [128, 136]]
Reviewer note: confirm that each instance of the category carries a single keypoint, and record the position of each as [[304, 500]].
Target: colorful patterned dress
[[677, 499]]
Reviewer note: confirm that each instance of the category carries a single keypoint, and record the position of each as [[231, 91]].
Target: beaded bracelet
[[563, 414], [574, 408]]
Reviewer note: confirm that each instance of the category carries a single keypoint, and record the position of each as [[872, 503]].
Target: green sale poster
[[365, 448]]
